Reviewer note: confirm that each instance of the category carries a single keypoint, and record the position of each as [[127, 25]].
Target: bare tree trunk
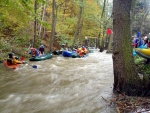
[[125, 76], [143, 20], [132, 13], [80, 31], [53, 26], [102, 38], [103, 11], [78, 24], [43, 34], [40, 15], [35, 22], [98, 40], [42, 18]]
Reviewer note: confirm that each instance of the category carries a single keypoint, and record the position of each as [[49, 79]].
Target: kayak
[[67, 53], [75, 55], [144, 51], [57, 52], [42, 57], [142, 54], [91, 51], [13, 66]]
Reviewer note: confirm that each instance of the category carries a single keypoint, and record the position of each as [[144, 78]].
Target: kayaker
[[80, 52], [12, 59], [41, 49], [148, 45], [84, 50], [62, 47], [34, 52]]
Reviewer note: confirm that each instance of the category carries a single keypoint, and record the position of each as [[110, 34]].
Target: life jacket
[[80, 53], [33, 52]]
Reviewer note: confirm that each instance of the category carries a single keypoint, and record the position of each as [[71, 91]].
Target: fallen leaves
[[127, 104]]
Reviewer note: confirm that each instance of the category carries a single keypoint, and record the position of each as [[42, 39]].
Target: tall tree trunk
[[132, 13], [53, 26], [100, 33], [143, 20], [103, 11], [78, 24], [42, 18], [98, 40], [125, 77], [80, 31], [35, 22]]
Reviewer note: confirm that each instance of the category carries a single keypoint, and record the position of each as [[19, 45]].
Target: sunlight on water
[[59, 85]]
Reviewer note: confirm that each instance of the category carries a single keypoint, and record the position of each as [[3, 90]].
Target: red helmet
[[32, 48]]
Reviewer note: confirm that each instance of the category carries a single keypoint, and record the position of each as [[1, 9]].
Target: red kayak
[[13, 66]]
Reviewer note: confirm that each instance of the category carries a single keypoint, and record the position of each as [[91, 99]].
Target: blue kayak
[[67, 53]]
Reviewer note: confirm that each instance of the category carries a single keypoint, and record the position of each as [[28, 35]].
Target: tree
[[78, 23], [104, 21], [140, 13], [43, 14], [35, 21], [14, 15], [53, 25], [102, 15], [125, 76], [144, 15]]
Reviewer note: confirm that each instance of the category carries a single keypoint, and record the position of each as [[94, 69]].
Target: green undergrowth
[[142, 66], [143, 69], [138, 60]]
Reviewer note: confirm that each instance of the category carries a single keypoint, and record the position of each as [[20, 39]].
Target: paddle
[[33, 66]]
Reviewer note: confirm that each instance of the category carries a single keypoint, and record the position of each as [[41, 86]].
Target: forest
[[28, 22], [68, 21], [72, 22]]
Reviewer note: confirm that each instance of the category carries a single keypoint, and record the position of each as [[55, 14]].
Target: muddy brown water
[[59, 85]]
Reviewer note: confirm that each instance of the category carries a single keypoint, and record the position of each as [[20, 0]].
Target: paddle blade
[[34, 66]]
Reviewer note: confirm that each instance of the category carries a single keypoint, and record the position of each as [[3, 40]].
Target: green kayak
[[91, 51], [42, 57]]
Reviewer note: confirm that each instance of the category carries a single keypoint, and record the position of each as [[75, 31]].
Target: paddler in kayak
[[41, 49], [12, 59], [34, 52]]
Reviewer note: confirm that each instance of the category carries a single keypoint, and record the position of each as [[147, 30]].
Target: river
[[59, 85]]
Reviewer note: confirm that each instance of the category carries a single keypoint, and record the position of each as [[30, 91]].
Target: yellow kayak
[[144, 51]]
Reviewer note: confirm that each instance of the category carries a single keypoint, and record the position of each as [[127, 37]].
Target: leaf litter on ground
[[129, 104]]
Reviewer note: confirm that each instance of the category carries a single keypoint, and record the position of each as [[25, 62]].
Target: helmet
[[32, 48], [10, 55]]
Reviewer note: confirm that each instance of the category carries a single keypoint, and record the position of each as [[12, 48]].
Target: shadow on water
[[59, 85]]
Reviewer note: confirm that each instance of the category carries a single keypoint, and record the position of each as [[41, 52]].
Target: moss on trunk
[[126, 79]]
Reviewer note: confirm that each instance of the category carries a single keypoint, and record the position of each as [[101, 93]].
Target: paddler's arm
[[14, 61]]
